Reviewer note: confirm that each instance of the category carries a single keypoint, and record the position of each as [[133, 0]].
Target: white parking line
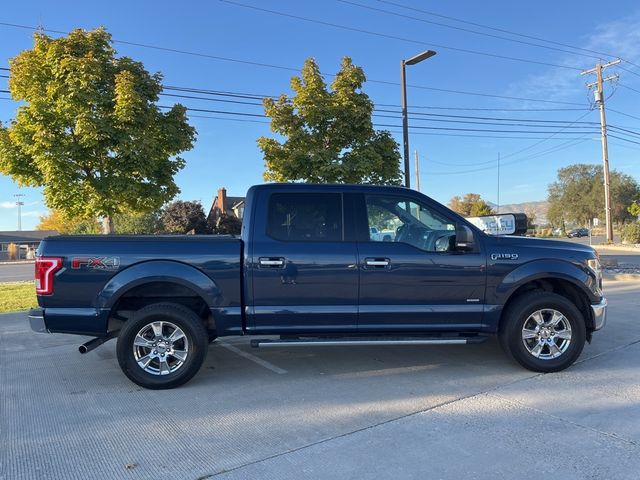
[[253, 358]]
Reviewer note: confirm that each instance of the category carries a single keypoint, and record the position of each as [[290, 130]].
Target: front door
[[304, 273], [411, 276]]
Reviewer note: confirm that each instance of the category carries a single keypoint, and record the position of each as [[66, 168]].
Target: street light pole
[[405, 121], [405, 124]]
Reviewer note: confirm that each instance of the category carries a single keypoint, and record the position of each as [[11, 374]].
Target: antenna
[[498, 206]]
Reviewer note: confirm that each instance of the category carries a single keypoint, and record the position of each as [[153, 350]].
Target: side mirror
[[464, 238]]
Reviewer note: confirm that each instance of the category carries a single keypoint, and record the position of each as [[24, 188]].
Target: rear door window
[[305, 217]]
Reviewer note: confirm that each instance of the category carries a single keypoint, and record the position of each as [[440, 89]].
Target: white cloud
[[13, 204], [619, 37]]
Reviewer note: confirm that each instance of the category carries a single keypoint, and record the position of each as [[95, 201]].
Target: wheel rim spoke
[[179, 354], [142, 342], [537, 317], [155, 353], [176, 335], [157, 329], [554, 350], [164, 366], [145, 361], [557, 318], [535, 351], [553, 333]]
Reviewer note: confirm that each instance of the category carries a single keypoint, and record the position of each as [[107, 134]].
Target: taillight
[[46, 267]]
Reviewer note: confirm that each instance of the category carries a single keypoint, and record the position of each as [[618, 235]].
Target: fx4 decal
[[98, 263], [504, 256]]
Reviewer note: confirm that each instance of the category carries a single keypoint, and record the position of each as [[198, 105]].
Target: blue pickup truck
[[320, 265]]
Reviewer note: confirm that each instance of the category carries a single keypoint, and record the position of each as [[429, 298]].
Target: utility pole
[[415, 156], [19, 204], [599, 97]]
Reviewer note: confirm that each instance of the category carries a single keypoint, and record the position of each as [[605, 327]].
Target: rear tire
[[543, 332], [162, 346]]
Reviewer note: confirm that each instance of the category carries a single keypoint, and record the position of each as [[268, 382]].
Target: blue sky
[[226, 154]]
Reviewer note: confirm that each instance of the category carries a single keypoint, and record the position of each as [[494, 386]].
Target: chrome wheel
[[160, 348], [546, 334]]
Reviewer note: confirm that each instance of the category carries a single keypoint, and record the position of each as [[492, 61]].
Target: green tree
[[138, 223], [578, 194], [634, 208], [228, 225], [471, 205], [185, 217], [89, 130], [329, 135]]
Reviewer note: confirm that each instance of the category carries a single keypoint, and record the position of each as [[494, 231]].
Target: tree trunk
[[107, 225]]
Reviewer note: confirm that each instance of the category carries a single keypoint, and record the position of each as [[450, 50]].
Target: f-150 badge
[[504, 256], [98, 263]]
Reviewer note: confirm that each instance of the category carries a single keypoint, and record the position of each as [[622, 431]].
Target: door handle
[[271, 262], [377, 262]]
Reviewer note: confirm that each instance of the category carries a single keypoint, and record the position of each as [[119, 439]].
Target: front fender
[[159, 271], [547, 269]]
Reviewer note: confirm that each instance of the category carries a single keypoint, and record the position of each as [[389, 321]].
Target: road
[[18, 272], [445, 412], [621, 257]]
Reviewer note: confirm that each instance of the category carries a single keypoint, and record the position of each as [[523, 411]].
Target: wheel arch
[[155, 281], [568, 288]]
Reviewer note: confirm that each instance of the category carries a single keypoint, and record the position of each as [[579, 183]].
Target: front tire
[[162, 346], [543, 331]]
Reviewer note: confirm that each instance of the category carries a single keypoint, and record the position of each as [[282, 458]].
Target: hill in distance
[[539, 208]]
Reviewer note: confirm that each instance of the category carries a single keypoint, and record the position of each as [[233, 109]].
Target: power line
[[468, 30], [239, 102], [395, 37], [484, 130], [624, 139], [445, 119], [545, 139], [477, 94], [627, 70], [628, 88], [622, 113], [490, 118], [486, 122], [555, 149], [502, 30], [620, 130], [297, 70], [431, 107]]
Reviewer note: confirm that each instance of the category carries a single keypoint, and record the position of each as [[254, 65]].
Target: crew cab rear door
[[411, 276], [303, 274]]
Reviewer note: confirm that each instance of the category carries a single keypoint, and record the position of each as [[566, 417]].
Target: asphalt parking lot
[[446, 412]]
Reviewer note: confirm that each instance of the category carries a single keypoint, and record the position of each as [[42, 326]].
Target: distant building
[[224, 205], [26, 240]]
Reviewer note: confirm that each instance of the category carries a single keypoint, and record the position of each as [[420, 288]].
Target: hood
[[531, 242]]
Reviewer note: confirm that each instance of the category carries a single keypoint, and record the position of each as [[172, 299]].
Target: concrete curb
[[621, 277], [618, 248]]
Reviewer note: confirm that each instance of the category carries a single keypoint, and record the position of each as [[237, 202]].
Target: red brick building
[[222, 204]]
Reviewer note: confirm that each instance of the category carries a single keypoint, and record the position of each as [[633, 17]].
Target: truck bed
[[96, 266]]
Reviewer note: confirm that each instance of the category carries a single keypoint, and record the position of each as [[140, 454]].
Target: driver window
[[394, 219]]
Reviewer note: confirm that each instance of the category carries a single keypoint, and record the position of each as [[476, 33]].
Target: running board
[[365, 341]]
